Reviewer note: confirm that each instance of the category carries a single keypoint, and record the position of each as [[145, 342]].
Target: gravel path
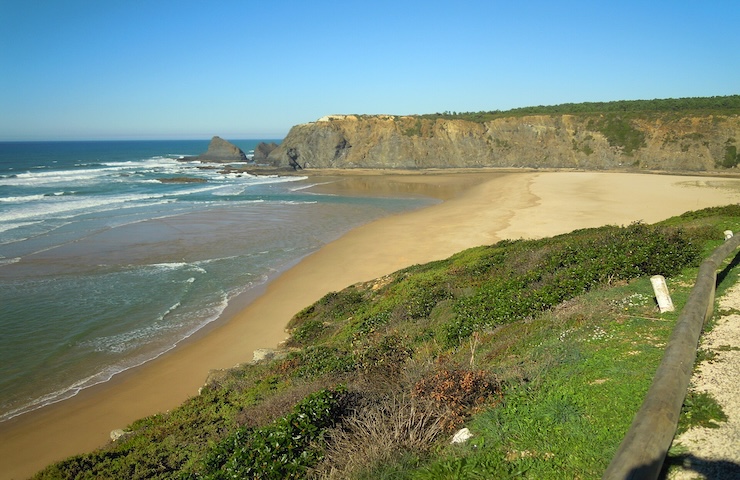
[[714, 453]]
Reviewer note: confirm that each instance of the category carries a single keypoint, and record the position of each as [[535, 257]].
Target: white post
[[661, 293], [728, 234]]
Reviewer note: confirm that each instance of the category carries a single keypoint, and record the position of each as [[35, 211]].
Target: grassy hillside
[[544, 349]]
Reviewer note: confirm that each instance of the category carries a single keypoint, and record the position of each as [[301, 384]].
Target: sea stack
[[262, 151], [221, 151]]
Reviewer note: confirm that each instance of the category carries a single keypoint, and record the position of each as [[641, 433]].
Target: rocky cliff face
[[656, 142]]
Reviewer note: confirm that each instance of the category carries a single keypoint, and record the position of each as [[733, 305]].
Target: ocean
[[103, 267]]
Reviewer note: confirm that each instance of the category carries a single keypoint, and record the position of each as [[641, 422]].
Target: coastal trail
[[714, 453]]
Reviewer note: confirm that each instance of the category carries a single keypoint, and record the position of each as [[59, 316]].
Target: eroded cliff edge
[[588, 141]]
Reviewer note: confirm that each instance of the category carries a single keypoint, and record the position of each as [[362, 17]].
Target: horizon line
[[136, 139]]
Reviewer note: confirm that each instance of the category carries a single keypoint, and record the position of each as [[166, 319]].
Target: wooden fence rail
[[641, 454]]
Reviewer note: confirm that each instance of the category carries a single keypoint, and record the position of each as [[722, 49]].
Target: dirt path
[[714, 453]]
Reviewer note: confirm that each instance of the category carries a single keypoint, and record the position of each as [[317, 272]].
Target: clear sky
[[109, 69]]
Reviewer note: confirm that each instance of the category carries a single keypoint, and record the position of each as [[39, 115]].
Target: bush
[[456, 392], [284, 449], [384, 358], [619, 132], [308, 331], [569, 266], [319, 360], [731, 157], [380, 433]]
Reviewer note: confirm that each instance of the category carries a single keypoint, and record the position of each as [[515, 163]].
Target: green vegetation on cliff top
[[722, 105], [543, 348]]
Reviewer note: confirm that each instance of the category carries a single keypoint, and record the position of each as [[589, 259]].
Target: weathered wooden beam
[[641, 454]]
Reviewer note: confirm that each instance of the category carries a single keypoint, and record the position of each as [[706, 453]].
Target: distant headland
[[688, 134]]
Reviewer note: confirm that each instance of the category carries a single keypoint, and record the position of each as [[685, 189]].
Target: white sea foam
[[83, 175], [310, 185], [230, 190], [53, 177], [296, 202], [168, 266], [212, 260], [55, 206], [9, 261], [127, 341], [265, 179], [22, 199], [6, 227], [164, 267]]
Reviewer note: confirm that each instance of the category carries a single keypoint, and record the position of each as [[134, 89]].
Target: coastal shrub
[[619, 132], [371, 322], [284, 449], [422, 298], [339, 304], [414, 129], [475, 263], [731, 158], [732, 210], [455, 392], [344, 302], [380, 433], [279, 403], [717, 106], [385, 357], [569, 266], [308, 331], [320, 360]]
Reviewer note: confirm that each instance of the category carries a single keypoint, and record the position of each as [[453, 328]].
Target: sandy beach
[[478, 208]]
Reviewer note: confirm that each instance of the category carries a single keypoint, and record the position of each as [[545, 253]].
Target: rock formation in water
[[220, 151], [262, 151], [660, 141]]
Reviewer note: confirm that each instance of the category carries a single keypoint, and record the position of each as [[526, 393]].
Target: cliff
[[651, 141]]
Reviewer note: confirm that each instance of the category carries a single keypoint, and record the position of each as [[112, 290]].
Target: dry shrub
[[378, 433], [457, 392]]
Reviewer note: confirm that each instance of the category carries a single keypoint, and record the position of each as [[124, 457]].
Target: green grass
[[544, 349], [700, 409], [586, 378]]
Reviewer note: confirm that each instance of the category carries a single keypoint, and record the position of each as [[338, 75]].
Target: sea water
[[104, 267]]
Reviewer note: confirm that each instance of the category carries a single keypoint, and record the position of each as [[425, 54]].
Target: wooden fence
[[644, 448]]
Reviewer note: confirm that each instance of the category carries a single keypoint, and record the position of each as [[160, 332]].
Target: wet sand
[[479, 208]]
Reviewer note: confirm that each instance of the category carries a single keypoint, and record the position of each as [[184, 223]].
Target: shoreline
[[478, 208]]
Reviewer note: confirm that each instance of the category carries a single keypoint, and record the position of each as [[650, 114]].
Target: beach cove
[[479, 207]]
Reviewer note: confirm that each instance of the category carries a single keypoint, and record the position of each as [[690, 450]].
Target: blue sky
[[74, 69]]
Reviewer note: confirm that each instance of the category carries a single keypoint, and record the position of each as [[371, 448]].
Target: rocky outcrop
[[118, 434], [182, 180], [651, 141], [220, 151], [262, 151]]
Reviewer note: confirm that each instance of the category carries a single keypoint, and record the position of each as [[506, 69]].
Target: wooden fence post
[[661, 293]]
